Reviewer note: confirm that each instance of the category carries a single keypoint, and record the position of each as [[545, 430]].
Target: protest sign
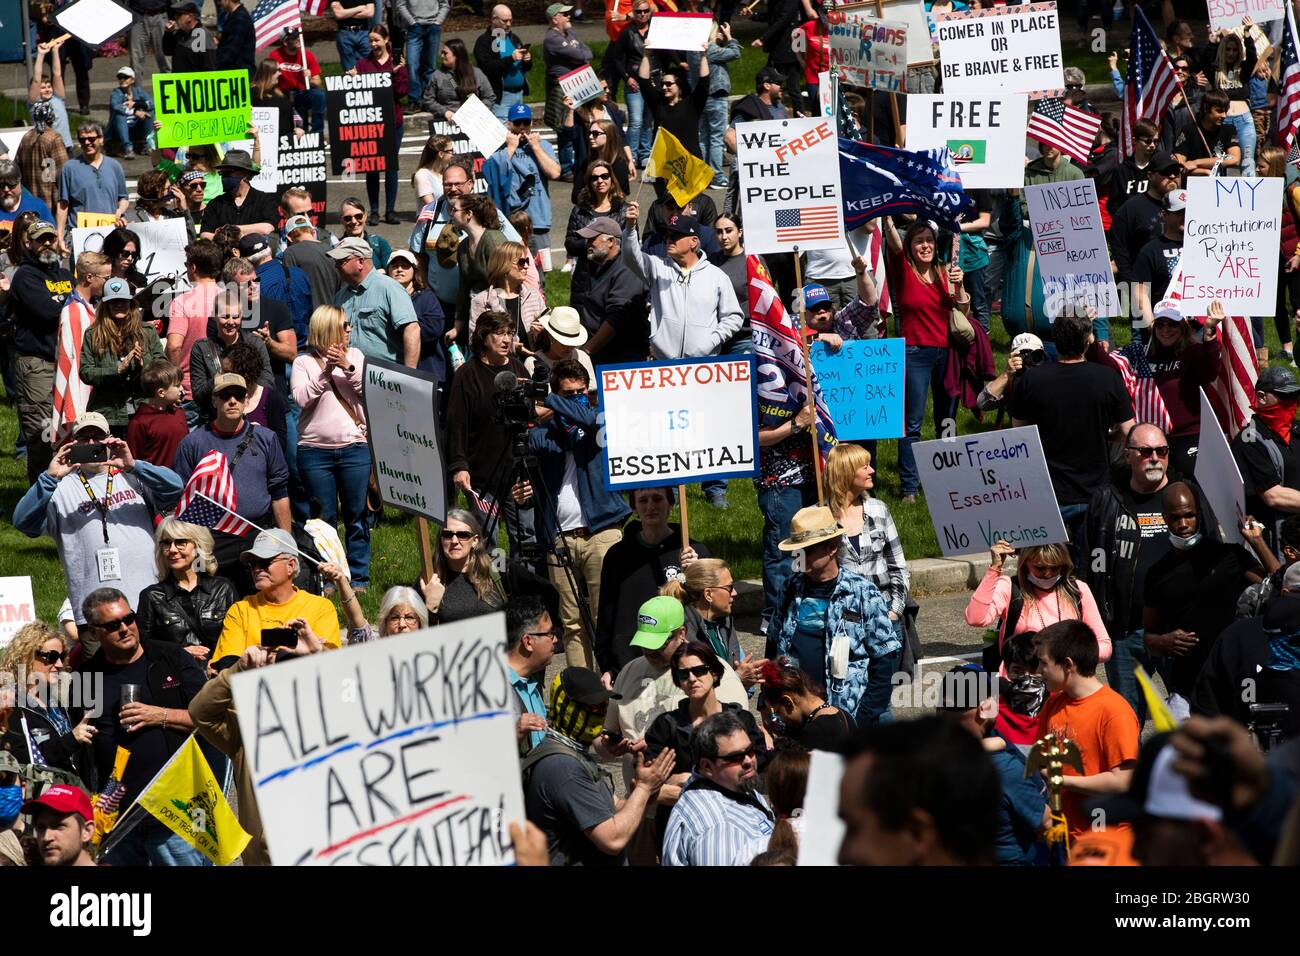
[[11, 138], [266, 120], [401, 407], [162, 246], [1227, 14], [680, 31], [1001, 50], [1218, 475], [989, 487], [301, 162], [200, 108], [581, 85], [678, 421], [94, 21], [362, 116], [465, 147], [1231, 236], [480, 127], [398, 752], [869, 52], [93, 220], [16, 606], [863, 385], [790, 185], [823, 830], [985, 134], [825, 94], [1073, 258], [920, 28]]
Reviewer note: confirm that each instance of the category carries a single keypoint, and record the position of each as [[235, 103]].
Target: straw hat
[[811, 526]]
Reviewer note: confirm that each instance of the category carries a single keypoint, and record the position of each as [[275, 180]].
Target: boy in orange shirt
[[1082, 708]]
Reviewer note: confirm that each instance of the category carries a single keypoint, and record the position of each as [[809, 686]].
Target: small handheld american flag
[[1057, 123], [270, 17], [209, 499]]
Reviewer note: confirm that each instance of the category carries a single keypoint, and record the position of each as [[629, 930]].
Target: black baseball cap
[[583, 685], [680, 225], [1277, 380], [184, 6], [1163, 162], [252, 244]]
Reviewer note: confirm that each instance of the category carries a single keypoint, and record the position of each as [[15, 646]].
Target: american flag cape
[[782, 379], [70, 393], [209, 499], [1288, 99]]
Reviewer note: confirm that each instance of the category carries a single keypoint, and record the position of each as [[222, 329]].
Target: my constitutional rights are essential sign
[[17, 608], [677, 422], [1002, 50], [199, 108], [401, 408], [1070, 244], [1231, 236], [362, 116], [989, 487], [985, 134], [863, 386], [790, 185]]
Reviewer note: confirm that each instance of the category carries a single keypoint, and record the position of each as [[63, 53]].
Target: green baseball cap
[[656, 620]]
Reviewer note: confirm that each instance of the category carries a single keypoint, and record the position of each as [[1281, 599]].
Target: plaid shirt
[[857, 320], [878, 554]]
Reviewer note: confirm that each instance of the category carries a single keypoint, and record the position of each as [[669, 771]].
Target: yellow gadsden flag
[[687, 175], [187, 798], [1161, 716]]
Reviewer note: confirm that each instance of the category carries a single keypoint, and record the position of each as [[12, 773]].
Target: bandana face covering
[[1026, 695], [1279, 417]]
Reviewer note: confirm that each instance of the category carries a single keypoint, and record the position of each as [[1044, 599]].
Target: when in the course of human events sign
[[1217, 473], [1227, 14], [196, 109], [581, 85], [301, 161], [362, 119], [479, 126], [989, 487], [266, 120], [790, 185], [1070, 243], [985, 134], [863, 385], [162, 246], [397, 752], [401, 415], [93, 21], [1231, 235], [680, 31], [869, 52], [679, 421], [16, 606], [1001, 50]]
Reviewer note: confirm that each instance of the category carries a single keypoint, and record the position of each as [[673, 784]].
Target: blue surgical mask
[[231, 184], [11, 804]]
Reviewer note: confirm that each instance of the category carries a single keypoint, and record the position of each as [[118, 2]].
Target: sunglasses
[[739, 756], [110, 626], [668, 83], [196, 184], [1146, 451], [49, 658], [681, 673], [596, 134], [357, 218], [17, 185], [87, 139], [522, 262], [457, 535], [126, 254], [722, 587], [598, 177]]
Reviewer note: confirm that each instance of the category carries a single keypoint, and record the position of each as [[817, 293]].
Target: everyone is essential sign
[[790, 185], [985, 134], [1001, 50], [16, 606], [679, 421], [1231, 236], [399, 752], [1227, 14], [362, 113], [989, 487], [869, 52], [200, 108], [1070, 243], [401, 409], [863, 386]]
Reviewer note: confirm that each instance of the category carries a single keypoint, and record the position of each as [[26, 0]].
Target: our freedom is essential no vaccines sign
[[679, 421]]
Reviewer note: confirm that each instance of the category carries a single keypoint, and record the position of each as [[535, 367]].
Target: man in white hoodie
[[693, 307]]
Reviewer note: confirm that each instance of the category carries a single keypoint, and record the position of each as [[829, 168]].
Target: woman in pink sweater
[[1049, 592], [333, 458]]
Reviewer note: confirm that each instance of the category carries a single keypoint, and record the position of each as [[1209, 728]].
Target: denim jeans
[[713, 125], [390, 184], [874, 706], [1125, 653], [353, 45], [508, 99], [778, 506], [979, 296], [1244, 123], [147, 30], [311, 101], [640, 128], [1073, 516], [923, 377], [338, 478], [297, 492], [129, 130], [422, 43], [151, 843]]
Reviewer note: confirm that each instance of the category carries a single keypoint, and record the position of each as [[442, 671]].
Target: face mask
[[230, 184], [1026, 695], [1183, 544], [1045, 583], [11, 804]]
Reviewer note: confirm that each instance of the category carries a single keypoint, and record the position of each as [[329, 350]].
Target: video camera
[[516, 398], [1266, 724]]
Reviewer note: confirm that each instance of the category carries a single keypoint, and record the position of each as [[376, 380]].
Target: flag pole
[[297, 552], [808, 372], [686, 522]]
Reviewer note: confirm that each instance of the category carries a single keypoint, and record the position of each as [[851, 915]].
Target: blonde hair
[[108, 337], [704, 573], [21, 652], [1067, 589], [88, 261], [841, 466], [325, 328], [503, 257], [176, 529]]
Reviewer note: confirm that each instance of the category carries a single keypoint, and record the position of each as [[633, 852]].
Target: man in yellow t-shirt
[[273, 563]]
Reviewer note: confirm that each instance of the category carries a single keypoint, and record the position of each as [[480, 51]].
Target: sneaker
[[392, 219], [127, 154], [719, 501], [372, 219], [909, 499]]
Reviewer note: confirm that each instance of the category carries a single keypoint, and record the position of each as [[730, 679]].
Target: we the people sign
[[790, 185], [1002, 50], [1231, 236], [680, 421], [989, 487]]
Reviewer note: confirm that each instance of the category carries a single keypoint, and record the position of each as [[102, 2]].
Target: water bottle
[[457, 356]]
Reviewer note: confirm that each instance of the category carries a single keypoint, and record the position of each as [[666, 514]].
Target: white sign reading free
[[679, 421], [790, 185], [1231, 235], [1001, 50], [985, 134], [1073, 258], [398, 752], [989, 487], [401, 407]]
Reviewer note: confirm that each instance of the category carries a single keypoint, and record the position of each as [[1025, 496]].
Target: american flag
[[802, 225], [270, 17], [1288, 100], [1139, 379], [1058, 124], [1152, 83], [70, 393], [208, 499], [314, 8]]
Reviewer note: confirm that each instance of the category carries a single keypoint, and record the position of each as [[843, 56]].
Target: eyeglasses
[[49, 658], [598, 177], [360, 217], [261, 564], [168, 543], [739, 756], [404, 618], [552, 633], [458, 535], [110, 626], [668, 83], [681, 673], [1146, 451]]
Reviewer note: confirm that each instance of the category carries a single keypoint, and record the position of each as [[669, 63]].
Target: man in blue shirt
[[530, 645], [518, 174], [384, 324], [287, 284], [14, 199], [91, 182]]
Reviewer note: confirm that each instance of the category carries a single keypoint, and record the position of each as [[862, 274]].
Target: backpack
[[992, 659]]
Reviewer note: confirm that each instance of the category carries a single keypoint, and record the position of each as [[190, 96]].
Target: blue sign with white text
[[863, 385]]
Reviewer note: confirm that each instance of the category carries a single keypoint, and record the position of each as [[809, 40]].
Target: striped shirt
[[710, 826], [877, 554]]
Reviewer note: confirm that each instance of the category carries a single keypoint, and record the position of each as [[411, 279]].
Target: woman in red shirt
[[811, 44], [923, 302]]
